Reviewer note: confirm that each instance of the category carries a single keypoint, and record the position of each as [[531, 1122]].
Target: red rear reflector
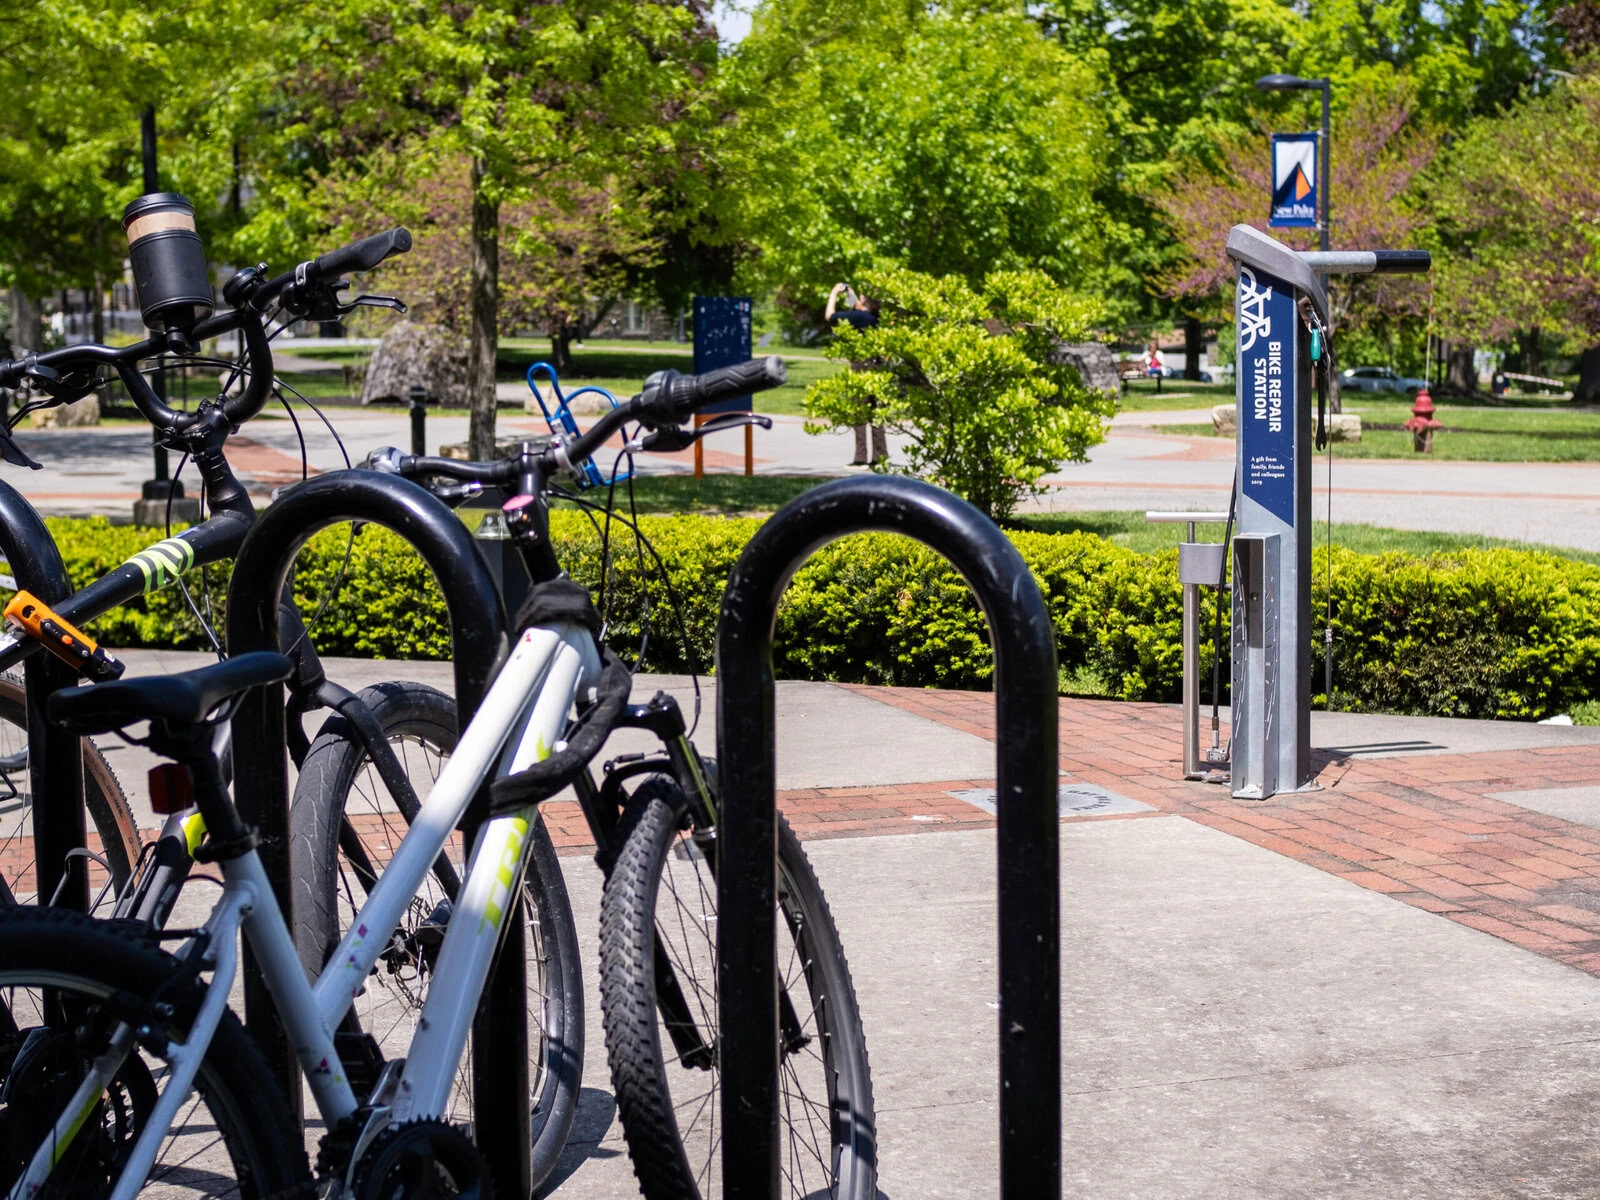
[[171, 788]]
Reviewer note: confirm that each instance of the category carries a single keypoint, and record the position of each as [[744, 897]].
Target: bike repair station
[[1284, 367]]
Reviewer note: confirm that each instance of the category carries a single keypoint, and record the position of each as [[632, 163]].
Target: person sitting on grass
[[862, 314]]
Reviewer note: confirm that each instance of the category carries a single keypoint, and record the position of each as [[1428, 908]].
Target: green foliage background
[[1478, 633]]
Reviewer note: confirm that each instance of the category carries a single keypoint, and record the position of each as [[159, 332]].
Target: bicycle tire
[[110, 815], [654, 834], [333, 772], [63, 953]]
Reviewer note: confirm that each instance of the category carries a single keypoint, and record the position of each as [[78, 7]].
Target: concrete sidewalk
[[1385, 987]]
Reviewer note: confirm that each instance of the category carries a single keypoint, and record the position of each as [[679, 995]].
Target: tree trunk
[[586, 328], [561, 349], [27, 323], [1193, 346], [1588, 389], [1532, 364], [1461, 376], [484, 295]]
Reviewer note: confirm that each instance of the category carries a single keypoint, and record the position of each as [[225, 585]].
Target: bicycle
[[117, 1011], [310, 290], [656, 846]]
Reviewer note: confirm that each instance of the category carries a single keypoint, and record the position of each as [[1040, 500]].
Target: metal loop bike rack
[[1026, 690], [479, 644], [59, 826]]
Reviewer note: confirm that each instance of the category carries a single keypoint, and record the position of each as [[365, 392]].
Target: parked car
[[1378, 379]]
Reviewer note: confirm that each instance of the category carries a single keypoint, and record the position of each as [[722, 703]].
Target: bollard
[[419, 420], [1029, 853], [479, 645], [60, 824]]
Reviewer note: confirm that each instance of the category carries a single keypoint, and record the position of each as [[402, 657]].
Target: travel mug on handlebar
[[169, 262]]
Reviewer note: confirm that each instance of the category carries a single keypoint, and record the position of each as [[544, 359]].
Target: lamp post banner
[[1267, 326], [1294, 181]]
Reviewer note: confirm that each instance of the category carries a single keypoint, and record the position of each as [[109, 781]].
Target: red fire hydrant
[[1422, 423]]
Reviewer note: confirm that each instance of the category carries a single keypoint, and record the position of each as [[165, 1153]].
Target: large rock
[[1094, 364], [411, 353], [67, 416], [1342, 427]]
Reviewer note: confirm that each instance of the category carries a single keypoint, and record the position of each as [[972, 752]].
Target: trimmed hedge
[[1479, 633]]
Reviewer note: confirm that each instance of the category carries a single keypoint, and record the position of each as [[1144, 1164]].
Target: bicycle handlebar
[[362, 255], [668, 398], [245, 317], [678, 397]]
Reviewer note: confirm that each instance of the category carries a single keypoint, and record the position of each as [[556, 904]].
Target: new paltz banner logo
[[1266, 392], [1294, 181]]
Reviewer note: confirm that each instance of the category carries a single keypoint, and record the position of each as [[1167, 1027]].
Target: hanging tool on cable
[[1323, 366]]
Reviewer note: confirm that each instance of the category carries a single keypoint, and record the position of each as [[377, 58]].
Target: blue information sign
[[1267, 326], [1294, 181], [722, 339]]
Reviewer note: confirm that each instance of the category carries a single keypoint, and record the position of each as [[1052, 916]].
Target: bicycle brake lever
[[393, 302], [676, 437]]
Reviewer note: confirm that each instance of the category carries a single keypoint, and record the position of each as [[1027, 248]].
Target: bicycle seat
[[183, 699]]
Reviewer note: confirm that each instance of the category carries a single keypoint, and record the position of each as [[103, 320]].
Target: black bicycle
[[35, 758]]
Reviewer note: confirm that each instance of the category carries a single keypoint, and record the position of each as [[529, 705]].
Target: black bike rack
[[479, 645], [59, 826], [1029, 855]]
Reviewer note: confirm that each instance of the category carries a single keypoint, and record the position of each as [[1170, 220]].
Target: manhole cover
[[1072, 800]]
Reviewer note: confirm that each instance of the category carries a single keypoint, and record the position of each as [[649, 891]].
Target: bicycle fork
[[662, 717]]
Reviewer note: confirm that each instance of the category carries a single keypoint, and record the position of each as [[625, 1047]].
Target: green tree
[[1382, 151], [949, 142], [1180, 94], [973, 376], [525, 95], [76, 74], [1518, 209]]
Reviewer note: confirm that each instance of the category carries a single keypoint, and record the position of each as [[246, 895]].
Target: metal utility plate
[[1072, 800]]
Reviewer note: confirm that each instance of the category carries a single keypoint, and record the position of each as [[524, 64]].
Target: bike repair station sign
[[1294, 181], [1267, 327]]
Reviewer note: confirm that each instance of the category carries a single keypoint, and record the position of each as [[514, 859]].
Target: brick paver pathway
[[1418, 828]]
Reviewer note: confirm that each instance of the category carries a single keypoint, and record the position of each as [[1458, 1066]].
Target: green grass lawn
[[1130, 529], [1479, 430], [719, 495], [1140, 395]]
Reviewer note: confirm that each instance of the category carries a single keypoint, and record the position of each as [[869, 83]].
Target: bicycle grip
[[689, 393], [1401, 262], [362, 255]]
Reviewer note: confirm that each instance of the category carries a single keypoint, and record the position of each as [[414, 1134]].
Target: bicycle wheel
[[345, 826], [659, 908], [110, 816], [66, 982]]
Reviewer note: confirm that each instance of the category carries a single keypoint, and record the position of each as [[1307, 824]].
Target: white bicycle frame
[[519, 723]]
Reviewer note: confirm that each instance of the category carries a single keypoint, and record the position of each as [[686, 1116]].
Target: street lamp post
[[1293, 83], [161, 497]]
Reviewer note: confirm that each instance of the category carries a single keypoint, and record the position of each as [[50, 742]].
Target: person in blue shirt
[[860, 313]]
